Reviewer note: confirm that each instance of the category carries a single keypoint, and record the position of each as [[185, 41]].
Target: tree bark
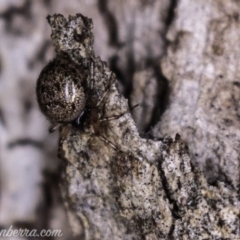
[[179, 61], [117, 185]]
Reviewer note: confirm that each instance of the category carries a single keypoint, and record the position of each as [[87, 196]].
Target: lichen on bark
[[118, 185]]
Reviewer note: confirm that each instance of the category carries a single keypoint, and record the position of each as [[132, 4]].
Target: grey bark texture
[[201, 65], [117, 185], [179, 61]]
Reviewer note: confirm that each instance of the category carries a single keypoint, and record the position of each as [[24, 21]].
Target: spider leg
[[54, 127], [92, 73], [117, 116], [78, 120], [94, 108], [110, 143], [112, 118], [107, 90], [91, 87]]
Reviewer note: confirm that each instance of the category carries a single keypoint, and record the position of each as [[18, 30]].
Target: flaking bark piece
[[142, 189]]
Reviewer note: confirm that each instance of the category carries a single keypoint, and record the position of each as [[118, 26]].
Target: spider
[[65, 94]]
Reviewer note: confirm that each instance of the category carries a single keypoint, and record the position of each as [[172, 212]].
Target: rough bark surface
[[201, 65], [176, 57], [117, 185]]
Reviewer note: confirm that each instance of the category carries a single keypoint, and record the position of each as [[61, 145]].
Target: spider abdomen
[[60, 91]]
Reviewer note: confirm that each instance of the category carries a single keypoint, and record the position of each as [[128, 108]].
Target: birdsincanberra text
[[24, 232]]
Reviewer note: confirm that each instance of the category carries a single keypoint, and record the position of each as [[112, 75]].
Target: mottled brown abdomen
[[60, 91]]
